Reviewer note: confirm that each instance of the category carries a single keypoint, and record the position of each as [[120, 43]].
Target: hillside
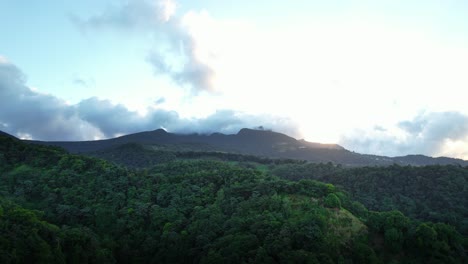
[[57, 207], [436, 193], [253, 142], [394, 187]]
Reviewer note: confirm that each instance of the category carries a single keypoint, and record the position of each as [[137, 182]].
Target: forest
[[429, 193], [187, 207]]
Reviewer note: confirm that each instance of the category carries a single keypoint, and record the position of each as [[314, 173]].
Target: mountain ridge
[[253, 142]]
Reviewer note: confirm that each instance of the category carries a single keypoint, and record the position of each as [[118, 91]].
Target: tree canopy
[[61, 208]]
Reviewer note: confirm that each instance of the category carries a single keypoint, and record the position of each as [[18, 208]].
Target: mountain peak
[[160, 131], [245, 131], [250, 131]]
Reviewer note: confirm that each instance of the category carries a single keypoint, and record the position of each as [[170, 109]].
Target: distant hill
[[252, 142]]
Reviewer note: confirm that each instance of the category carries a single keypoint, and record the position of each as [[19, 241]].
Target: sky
[[384, 77]]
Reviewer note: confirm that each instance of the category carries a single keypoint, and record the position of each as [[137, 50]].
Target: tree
[[332, 201], [426, 237], [393, 239]]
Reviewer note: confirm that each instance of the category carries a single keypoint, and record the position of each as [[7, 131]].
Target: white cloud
[[167, 9], [432, 133], [33, 115], [3, 60], [177, 52]]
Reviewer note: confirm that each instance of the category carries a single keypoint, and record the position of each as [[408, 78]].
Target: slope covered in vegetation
[[429, 193], [56, 207]]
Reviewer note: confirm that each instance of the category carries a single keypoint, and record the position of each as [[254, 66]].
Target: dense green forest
[[61, 208], [134, 155], [429, 193]]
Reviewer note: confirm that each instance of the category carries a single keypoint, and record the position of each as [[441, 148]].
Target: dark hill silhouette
[[252, 142], [247, 141], [4, 134]]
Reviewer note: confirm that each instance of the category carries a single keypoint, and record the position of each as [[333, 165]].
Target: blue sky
[[383, 77]]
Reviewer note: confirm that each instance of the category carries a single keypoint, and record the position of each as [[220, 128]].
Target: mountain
[[4, 134], [246, 141], [251, 142]]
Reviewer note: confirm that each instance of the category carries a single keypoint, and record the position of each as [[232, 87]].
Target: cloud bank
[[180, 56], [431, 133], [30, 114]]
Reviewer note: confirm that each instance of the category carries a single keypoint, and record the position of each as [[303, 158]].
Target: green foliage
[[393, 239], [332, 201], [425, 237], [431, 193], [25, 238], [363, 253], [134, 156], [61, 208]]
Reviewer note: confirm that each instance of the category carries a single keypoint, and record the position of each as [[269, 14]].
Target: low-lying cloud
[[159, 18], [30, 114], [433, 133]]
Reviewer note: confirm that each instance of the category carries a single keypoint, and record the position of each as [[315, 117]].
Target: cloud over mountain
[[30, 114]]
